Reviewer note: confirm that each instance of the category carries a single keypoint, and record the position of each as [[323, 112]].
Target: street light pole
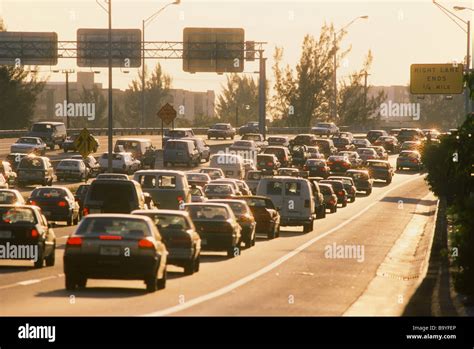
[[144, 24], [67, 100], [110, 123]]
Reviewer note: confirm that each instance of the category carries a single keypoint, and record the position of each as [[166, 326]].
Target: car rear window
[[293, 188], [48, 193], [378, 164], [359, 176], [325, 190], [65, 163], [196, 177], [208, 212], [218, 189], [274, 188], [124, 227], [101, 191], [7, 198], [20, 215], [31, 163]]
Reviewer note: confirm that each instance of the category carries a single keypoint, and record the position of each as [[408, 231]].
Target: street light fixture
[[334, 82], [145, 22]]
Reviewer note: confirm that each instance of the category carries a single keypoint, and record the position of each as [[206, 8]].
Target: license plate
[[109, 251], [5, 234], [95, 210], [203, 242]]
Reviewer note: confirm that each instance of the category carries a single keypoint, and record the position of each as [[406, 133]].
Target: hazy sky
[[399, 33]]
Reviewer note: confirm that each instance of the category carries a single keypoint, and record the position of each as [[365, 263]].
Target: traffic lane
[[48, 297], [311, 283]]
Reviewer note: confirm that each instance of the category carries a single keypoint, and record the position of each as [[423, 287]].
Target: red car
[[339, 163]]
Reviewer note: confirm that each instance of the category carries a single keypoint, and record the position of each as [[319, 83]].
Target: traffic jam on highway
[[171, 206]]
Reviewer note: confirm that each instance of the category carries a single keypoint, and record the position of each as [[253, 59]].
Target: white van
[[232, 165], [293, 197]]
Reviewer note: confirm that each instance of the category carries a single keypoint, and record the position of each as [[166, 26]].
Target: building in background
[[189, 104]]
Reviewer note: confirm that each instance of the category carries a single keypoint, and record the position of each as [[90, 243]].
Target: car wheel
[[353, 199], [161, 283], [190, 267], [234, 251], [40, 261], [76, 220], [50, 260], [151, 282], [70, 281], [272, 234], [344, 204], [307, 228], [70, 220], [65, 150], [388, 181], [81, 282], [197, 264], [334, 209]]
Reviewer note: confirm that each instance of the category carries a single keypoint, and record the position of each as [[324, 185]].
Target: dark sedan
[[115, 246], [25, 228], [380, 169], [57, 203], [266, 215], [349, 186], [362, 180], [339, 190], [317, 168], [339, 163], [180, 237]]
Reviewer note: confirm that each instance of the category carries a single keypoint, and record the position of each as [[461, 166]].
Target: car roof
[[206, 204], [114, 215], [160, 211], [173, 172], [49, 122]]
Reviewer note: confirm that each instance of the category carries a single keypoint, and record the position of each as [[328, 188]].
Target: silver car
[[27, 145], [72, 169]]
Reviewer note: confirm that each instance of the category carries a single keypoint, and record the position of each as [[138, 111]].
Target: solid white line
[[28, 282], [271, 266]]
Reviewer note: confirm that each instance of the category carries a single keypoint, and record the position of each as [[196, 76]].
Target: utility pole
[[236, 116], [261, 95], [110, 122]]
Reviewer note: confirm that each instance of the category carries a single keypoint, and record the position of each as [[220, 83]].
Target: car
[[317, 168], [390, 143], [69, 144], [257, 138], [338, 163], [299, 155], [252, 178], [325, 129], [179, 234], [249, 165], [178, 133], [217, 226], [409, 159], [394, 132], [231, 181], [28, 145], [326, 147], [282, 153], [249, 127], [106, 175], [51, 132], [115, 196], [3, 182], [380, 169], [219, 191], [14, 159], [244, 217], [56, 203], [367, 154], [221, 130], [343, 143], [282, 141], [241, 147], [314, 152], [381, 152], [231, 164], [35, 170], [80, 196], [349, 186], [361, 143], [353, 157], [288, 171], [181, 151], [91, 163], [373, 135], [11, 197], [138, 147], [268, 164], [202, 147], [72, 169], [121, 163], [242, 185], [319, 204], [345, 134], [293, 197], [303, 139], [330, 198], [168, 189], [362, 180], [213, 172], [197, 194], [411, 145], [410, 134], [266, 215], [339, 190], [97, 250], [196, 178], [22, 225]]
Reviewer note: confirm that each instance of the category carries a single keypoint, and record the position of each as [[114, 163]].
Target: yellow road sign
[[167, 113], [436, 78], [85, 143]]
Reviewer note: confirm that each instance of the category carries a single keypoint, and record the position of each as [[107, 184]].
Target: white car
[[27, 145], [123, 162], [72, 169], [325, 129], [11, 197]]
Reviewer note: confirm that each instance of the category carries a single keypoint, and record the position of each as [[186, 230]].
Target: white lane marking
[[28, 282], [273, 265], [31, 282]]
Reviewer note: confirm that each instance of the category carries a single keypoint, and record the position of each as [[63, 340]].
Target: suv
[[221, 130], [181, 151], [115, 196], [325, 129], [51, 132], [35, 170]]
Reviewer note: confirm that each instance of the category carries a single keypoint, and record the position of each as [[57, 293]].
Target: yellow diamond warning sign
[[436, 78]]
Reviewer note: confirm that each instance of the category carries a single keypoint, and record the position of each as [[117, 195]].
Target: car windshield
[[276, 140], [366, 151], [315, 162], [325, 190], [242, 144], [48, 193], [408, 155], [7, 198], [176, 133], [9, 215], [42, 128], [124, 227], [27, 140], [238, 208], [208, 212]]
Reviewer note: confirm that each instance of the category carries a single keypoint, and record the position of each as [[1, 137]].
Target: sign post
[[445, 79], [167, 114]]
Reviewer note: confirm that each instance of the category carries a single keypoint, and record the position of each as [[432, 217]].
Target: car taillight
[[341, 192], [269, 163], [34, 233], [85, 211], [180, 198], [62, 203], [33, 202], [145, 243], [110, 237], [74, 241], [332, 201], [305, 168]]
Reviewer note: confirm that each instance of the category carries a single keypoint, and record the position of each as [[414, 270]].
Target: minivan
[[51, 132], [168, 189], [35, 170], [232, 165], [180, 151], [293, 197]]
